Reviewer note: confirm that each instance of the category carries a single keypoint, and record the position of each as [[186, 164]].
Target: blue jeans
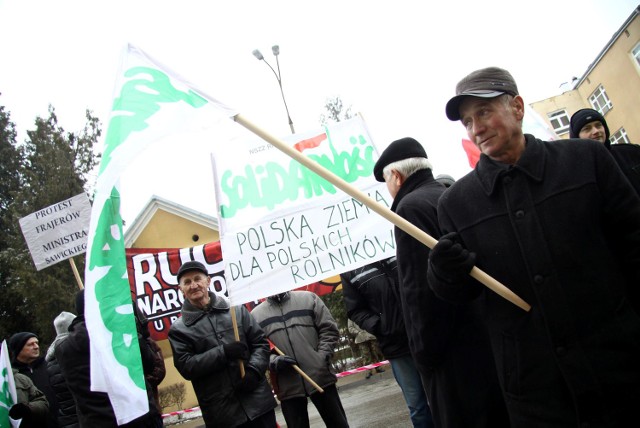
[[408, 377]]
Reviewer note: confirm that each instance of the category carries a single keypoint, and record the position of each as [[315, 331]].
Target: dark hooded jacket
[[372, 299], [561, 229], [197, 340], [67, 417], [448, 343], [93, 408]]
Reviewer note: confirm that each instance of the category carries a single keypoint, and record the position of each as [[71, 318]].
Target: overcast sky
[[395, 62]]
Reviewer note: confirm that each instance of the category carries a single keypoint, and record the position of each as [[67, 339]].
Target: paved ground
[[369, 403]]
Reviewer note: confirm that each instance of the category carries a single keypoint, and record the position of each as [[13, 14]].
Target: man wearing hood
[[93, 408], [67, 417]]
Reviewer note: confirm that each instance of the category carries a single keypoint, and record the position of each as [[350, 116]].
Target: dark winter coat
[[93, 408], [37, 372], [302, 327], [158, 373], [27, 393], [561, 228], [448, 344], [372, 299], [627, 157], [196, 340], [67, 417]]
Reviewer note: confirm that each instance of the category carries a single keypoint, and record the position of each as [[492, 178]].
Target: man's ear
[[517, 103]]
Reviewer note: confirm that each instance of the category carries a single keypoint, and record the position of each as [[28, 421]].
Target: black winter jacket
[[372, 299], [560, 228], [67, 417], [197, 340], [627, 157], [93, 408]]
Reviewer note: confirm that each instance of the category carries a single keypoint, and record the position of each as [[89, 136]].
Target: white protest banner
[[151, 105], [8, 396], [283, 226], [57, 232]]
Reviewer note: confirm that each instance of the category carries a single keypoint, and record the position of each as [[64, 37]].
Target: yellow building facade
[[610, 85]]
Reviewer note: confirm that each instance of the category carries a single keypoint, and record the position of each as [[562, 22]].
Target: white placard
[[57, 232]]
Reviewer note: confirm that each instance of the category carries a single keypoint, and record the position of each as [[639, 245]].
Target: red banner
[[154, 285], [472, 151]]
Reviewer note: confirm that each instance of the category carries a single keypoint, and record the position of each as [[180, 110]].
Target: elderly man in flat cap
[[448, 344], [206, 353], [557, 223]]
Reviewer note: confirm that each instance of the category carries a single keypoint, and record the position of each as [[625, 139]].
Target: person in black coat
[[372, 298], [67, 417], [93, 408], [448, 344], [559, 224], [590, 124]]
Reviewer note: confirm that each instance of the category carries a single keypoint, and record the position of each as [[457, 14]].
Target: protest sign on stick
[[58, 232]]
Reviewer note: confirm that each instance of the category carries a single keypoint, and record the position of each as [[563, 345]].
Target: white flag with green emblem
[[151, 104], [8, 396]]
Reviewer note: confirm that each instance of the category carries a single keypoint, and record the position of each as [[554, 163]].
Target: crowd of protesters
[[556, 222]]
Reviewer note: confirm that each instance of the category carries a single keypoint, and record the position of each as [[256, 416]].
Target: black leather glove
[[236, 351], [250, 381], [281, 362], [19, 411], [449, 260]]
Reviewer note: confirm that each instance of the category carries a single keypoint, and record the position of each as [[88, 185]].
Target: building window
[[620, 137], [560, 121], [636, 54], [599, 101]]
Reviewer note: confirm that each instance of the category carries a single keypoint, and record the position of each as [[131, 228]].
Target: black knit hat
[[584, 116], [191, 265], [17, 342], [403, 148], [487, 82]]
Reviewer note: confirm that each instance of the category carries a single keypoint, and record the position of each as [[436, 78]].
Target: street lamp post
[[276, 51]]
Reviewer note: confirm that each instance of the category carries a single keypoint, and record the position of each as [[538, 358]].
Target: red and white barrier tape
[[339, 375], [180, 412], [362, 369]]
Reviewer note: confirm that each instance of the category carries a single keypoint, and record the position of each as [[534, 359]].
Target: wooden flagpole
[[236, 334], [75, 273], [385, 212]]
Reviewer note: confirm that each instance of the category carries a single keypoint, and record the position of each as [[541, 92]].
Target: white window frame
[[560, 121], [600, 101], [620, 137], [635, 53]]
